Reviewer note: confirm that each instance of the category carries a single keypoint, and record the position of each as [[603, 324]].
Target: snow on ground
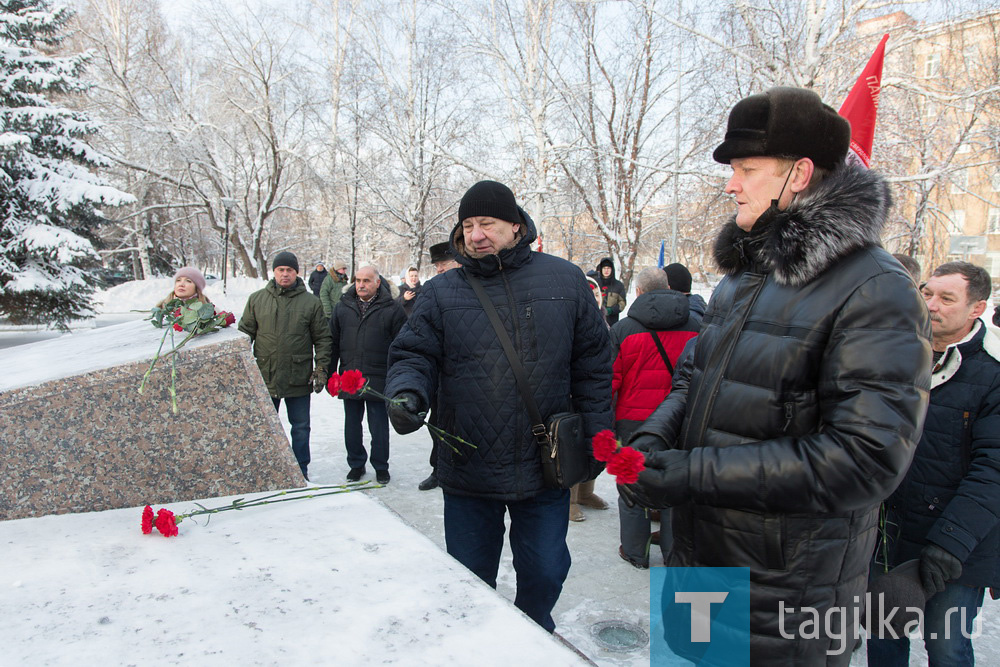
[[106, 551]]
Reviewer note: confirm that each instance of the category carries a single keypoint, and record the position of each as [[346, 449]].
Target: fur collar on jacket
[[844, 213]]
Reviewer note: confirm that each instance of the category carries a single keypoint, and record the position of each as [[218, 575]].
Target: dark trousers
[[297, 408], [378, 427], [634, 524], [474, 530], [948, 626]]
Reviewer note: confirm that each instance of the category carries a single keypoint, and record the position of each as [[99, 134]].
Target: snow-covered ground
[[244, 579]]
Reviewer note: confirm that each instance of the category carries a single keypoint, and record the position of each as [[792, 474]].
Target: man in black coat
[[364, 323], [947, 510], [448, 348], [807, 390], [317, 277]]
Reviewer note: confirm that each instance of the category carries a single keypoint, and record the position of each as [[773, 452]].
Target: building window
[[959, 182], [993, 220], [932, 65], [958, 220]]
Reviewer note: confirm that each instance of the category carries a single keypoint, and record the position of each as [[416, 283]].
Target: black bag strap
[[537, 423], [663, 353]]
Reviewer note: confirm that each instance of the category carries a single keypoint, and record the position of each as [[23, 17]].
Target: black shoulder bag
[[564, 454]]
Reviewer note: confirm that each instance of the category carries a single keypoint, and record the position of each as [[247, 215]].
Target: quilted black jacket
[[951, 494], [806, 399], [448, 346]]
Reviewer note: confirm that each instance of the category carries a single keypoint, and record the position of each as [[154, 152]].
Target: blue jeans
[[474, 530], [378, 427], [297, 408], [949, 648]]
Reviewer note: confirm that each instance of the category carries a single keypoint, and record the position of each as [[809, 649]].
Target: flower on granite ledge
[[196, 321], [166, 521], [147, 520]]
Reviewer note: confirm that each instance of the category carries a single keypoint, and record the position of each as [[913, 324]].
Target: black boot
[[429, 483]]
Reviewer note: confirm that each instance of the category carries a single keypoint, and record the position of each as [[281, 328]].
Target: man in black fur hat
[[804, 399]]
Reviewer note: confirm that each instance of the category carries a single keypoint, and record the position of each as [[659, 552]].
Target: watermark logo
[[699, 614]]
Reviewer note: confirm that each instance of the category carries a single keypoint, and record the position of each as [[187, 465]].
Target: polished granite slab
[[76, 435]]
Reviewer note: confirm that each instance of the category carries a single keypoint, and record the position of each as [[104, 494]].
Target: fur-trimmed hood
[[844, 213]]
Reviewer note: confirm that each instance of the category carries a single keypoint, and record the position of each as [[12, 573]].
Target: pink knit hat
[[192, 274]]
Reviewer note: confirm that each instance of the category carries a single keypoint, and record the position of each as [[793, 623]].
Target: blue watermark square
[[699, 615]]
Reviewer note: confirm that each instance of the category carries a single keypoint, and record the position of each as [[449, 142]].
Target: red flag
[[539, 241], [861, 106]]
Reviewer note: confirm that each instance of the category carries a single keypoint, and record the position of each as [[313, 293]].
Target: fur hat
[[441, 252], [785, 122], [285, 258], [192, 274], [492, 199], [678, 277], [900, 589]]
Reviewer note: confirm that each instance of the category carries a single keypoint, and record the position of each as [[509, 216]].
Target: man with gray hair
[[808, 385], [647, 343], [363, 324], [946, 513]]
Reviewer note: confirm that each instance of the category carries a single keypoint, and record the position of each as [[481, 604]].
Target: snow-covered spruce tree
[[49, 192]]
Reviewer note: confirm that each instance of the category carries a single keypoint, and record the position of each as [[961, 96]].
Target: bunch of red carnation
[[164, 522], [349, 382], [624, 463]]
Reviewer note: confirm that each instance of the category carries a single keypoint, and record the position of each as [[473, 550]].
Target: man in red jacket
[[647, 344]]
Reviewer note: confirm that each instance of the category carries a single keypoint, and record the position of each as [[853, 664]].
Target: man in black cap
[[443, 260], [286, 325], [679, 279], [448, 348], [805, 395]]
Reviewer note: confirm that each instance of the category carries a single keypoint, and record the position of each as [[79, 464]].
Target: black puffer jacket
[[448, 346], [362, 342], [951, 494], [805, 402]]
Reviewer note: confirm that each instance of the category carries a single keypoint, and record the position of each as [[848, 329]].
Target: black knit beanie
[[678, 277], [285, 258], [492, 199]]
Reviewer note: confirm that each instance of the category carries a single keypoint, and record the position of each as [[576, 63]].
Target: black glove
[[664, 483], [937, 567], [406, 412], [647, 442], [319, 378]]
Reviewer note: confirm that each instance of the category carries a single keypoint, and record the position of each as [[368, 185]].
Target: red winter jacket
[[641, 379]]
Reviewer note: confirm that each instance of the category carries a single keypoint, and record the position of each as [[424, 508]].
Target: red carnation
[[147, 520], [352, 381], [178, 327], [177, 313], [333, 385], [605, 444], [626, 465], [165, 522], [230, 318]]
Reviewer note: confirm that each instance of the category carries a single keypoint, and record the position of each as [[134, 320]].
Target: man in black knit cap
[[285, 322], [448, 348]]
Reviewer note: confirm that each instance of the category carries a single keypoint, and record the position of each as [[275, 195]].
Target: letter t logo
[[701, 607]]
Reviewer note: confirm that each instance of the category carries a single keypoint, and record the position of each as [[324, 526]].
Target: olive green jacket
[[287, 328], [330, 291]]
